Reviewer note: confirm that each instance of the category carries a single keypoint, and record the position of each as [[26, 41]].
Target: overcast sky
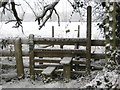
[[63, 5]]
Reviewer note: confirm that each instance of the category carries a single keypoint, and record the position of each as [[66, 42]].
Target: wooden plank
[[19, 59], [58, 52], [57, 41], [73, 51], [66, 60], [47, 60], [48, 70], [48, 65]]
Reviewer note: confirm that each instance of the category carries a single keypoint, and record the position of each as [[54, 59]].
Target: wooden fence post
[[78, 31], [19, 59], [31, 56], [31, 42], [88, 46], [52, 33], [77, 47]]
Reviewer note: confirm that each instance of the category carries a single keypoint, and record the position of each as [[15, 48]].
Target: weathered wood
[[46, 65], [88, 45], [5, 53], [78, 62], [38, 70], [67, 71], [31, 42], [66, 61], [7, 66], [31, 63], [52, 31], [78, 35], [26, 54], [44, 50], [57, 41], [58, 52], [53, 34], [47, 60], [10, 66], [57, 61], [19, 59], [31, 56], [67, 41], [46, 46], [48, 71]]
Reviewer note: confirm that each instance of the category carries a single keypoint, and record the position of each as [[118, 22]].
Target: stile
[[19, 59]]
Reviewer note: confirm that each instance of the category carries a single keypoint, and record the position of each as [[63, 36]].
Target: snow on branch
[[50, 8]]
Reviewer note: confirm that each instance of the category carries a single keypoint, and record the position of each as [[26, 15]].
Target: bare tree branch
[[3, 3], [49, 16], [57, 16], [47, 8]]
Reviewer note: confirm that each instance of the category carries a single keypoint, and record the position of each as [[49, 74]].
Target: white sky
[[63, 5]]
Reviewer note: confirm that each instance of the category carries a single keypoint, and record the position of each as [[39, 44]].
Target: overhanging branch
[[50, 8]]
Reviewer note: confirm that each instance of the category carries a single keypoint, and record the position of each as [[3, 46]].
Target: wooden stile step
[[48, 70], [66, 60]]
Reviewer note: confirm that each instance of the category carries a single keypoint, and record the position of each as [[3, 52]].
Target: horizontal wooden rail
[[46, 65], [5, 53], [58, 52], [76, 51], [26, 54], [59, 41], [47, 60], [57, 61]]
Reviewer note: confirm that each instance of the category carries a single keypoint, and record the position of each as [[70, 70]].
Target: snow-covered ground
[[6, 31]]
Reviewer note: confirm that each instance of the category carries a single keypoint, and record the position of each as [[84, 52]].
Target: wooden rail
[[57, 41]]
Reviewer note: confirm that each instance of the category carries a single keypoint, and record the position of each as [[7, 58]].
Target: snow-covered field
[[6, 31]]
